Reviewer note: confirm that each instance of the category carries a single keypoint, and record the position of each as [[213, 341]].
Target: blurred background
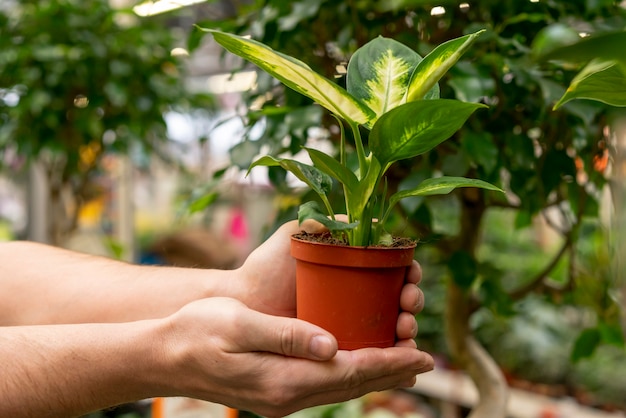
[[126, 132]]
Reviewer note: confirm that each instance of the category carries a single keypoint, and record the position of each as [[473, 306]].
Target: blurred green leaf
[[604, 81], [481, 149], [585, 344], [312, 210], [463, 268], [604, 46], [201, 203]]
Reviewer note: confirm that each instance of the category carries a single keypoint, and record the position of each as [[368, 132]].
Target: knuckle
[[288, 340]]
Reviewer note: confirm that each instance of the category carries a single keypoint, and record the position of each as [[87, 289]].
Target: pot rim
[[351, 256], [294, 237]]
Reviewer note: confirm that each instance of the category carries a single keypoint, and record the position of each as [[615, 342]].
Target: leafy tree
[[549, 160], [78, 80]]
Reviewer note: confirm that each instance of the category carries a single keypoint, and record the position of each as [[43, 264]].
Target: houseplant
[[392, 94]]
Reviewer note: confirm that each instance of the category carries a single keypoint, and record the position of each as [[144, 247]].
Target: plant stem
[[346, 192], [360, 151], [361, 233]]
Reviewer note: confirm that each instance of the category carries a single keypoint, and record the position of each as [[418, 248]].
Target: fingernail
[[321, 347]]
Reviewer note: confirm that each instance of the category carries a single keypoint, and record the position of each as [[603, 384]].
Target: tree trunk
[[469, 354], [618, 221]]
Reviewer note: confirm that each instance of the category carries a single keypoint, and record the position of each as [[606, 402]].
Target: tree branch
[[537, 281]]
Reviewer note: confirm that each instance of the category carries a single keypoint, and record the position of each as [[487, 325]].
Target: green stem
[[360, 234], [329, 208], [346, 192], [360, 150]]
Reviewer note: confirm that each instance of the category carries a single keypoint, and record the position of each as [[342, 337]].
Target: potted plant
[[392, 95]]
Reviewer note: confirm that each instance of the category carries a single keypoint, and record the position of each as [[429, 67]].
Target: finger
[[288, 337], [414, 275], [311, 226], [406, 327], [411, 298], [409, 343], [409, 383]]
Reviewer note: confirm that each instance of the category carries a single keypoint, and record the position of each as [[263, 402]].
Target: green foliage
[[515, 140], [387, 95], [603, 78], [550, 161], [79, 73], [79, 79]]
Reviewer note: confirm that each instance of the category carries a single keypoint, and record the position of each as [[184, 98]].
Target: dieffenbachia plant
[[391, 91]]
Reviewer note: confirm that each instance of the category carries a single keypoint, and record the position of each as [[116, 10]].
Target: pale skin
[[82, 333]]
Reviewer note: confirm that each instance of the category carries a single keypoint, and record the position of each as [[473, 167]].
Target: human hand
[[219, 350], [267, 281]]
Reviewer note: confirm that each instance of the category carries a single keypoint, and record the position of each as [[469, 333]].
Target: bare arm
[[215, 349], [68, 370], [40, 284], [47, 285]]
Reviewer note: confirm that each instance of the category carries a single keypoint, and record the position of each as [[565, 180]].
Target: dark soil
[[327, 238]]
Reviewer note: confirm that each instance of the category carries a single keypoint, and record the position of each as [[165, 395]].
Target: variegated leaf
[[434, 65], [600, 80], [318, 181], [333, 168], [298, 76], [379, 73], [440, 186], [311, 210], [417, 127]]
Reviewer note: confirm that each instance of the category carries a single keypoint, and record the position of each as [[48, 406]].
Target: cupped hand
[[222, 351], [267, 281]]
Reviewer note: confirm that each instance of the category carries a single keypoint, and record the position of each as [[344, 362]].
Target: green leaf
[[333, 168], [301, 10], [379, 73], [481, 149], [585, 344], [440, 186], [463, 268], [434, 65], [242, 153], [320, 182], [417, 127], [611, 334], [607, 46], [298, 76], [603, 81], [553, 37], [311, 210], [359, 196], [202, 202]]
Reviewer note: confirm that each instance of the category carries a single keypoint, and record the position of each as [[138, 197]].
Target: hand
[[224, 352], [268, 281]]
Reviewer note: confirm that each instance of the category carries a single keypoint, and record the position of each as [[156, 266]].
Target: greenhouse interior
[[143, 140]]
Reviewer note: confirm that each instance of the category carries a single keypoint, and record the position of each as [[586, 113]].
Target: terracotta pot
[[352, 292]]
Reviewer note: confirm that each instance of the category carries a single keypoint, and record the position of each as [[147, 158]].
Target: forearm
[[69, 370], [46, 285]]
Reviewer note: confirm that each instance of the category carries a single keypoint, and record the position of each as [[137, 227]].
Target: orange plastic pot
[[352, 292]]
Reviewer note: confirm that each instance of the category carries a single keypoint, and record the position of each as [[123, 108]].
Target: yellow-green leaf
[[298, 76], [600, 80], [434, 65], [379, 73]]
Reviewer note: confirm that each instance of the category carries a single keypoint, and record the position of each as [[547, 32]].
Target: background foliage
[[80, 79], [487, 269]]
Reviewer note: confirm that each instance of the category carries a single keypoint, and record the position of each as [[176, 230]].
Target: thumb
[[290, 337]]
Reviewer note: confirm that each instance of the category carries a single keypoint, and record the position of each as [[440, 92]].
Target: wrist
[[141, 364]]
